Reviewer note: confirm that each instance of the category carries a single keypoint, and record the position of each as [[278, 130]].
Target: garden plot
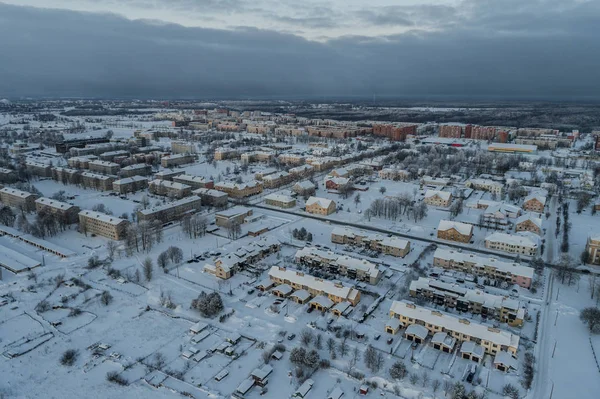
[[64, 321], [428, 356], [239, 369], [17, 332], [100, 278]]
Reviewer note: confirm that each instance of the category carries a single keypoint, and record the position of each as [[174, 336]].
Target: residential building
[[210, 197], [490, 268], [38, 169], [138, 169], [454, 231], [304, 188], [334, 291], [359, 269], [243, 257], [320, 206], [65, 145], [501, 308], [96, 181], [291, 159], [112, 155], [394, 174], [512, 148], [168, 161], [82, 162], [18, 199], [104, 167], [451, 131], [275, 180], [593, 249], [102, 224], [172, 211], [7, 175], [521, 243], [237, 214], [182, 147], [194, 182], [240, 190], [169, 188], [337, 183], [257, 156], [493, 340], [226, 153], [499, 213], [130, 184], [434, 181], [489, 185], [167, 174], [66, 213], [438, 198], [394, 246], [280, 201], [529, 222], [66, 175], [396, 131], [534, 202]]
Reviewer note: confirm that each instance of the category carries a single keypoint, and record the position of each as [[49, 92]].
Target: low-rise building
[[501, 308], [491, 268], [304, 188], [334, 291], [102, 224], [359, 269], [237, 214], [66, 213], [320, 206], [82, 162], [194, 182], [104, 167], [534, 202], [275, 180], [138, 169], [493, 340], [257, 156], [210, 197], [182, 147], [529, 222], [7, 175], [240, 190], [18, 199], [438, 198], [394, 174], [521, 243], [169, 189], [336, 183], [593, 249], [167, 174], [243, 257], [489, 185], [130, 184], [280, 201], [171, 211], [38, 169], [168, 161], [394, 246], [455, 231], [112, 155]]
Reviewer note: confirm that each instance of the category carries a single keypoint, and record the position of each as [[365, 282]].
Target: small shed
[[303, 389], [321, 303], [444, 342], [341, 308], [472, 351], [301, 296], [233, 338], [363, 390], [416, 333], [198, 327], [337, 393], [282, 291], [245, 386], [504, 361], [392, 326]]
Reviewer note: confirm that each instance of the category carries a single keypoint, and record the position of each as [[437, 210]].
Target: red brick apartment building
[[395, 132]]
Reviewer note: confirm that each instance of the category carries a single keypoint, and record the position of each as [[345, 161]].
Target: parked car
[[390, 340], [291, 336], [376, 337]]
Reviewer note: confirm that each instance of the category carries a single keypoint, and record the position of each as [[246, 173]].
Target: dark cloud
[[62, 53]]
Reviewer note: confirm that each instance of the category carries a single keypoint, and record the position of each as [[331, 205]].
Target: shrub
[[42, 306], [106, 298], [69, 357], [114, 377], [74, 312]]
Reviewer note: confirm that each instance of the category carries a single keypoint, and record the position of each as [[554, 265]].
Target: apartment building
[[301, 171], [316, 287], [521, 243], [438, 198], [182, 147], [482, 132], [210, 197], [257, 156], [529, 222], [237, 214], [336, 183], [130, 184], [169, 189], [454, 231], [394, 246], [451, 131], [81, 162], [593, 249], [66, 145], [38, 169], [112, 155], [358, 269], [491, 268], [168, 161], [138, 169], [486, 185], [194, 182], [280, 201], [171, 211], [395, 132], [304, 188], [394, 174], [291, 159], [243, 257], [167, 174], [320, 206], [499, 213], [241, 190], [18, 199], [66, 213], [501, 308], [434, 181], [96, 181], [104, 167], [66, 175], [102, 224], [534, 202], [7, 175], [493, 340], [275, 180]]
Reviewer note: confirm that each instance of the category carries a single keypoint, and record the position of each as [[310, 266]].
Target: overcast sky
[[262, 48]]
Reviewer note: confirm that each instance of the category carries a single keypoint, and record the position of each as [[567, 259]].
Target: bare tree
[[111, 246], [148, 268]]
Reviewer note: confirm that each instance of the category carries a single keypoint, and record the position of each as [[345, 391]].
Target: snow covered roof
[[103, 217], [323, 301], [245, 385], [444, 195], [443, 339], [285, 289], [322, 202], [279, 198], [129, 180], [169, 184], [417, 330], [210, 192], [514, 268], [471, 347], [233, 212], [262, 372], [305, 185], [506, 359], [304, 388], [536, 195], [462, 228], [170, 205], [53, 203], [15, 192], [452, 323], [337, 393], [302, 295], [341, 260], [317, 284], [15, 261], [522, 240], [393, 323], [528, 216]]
